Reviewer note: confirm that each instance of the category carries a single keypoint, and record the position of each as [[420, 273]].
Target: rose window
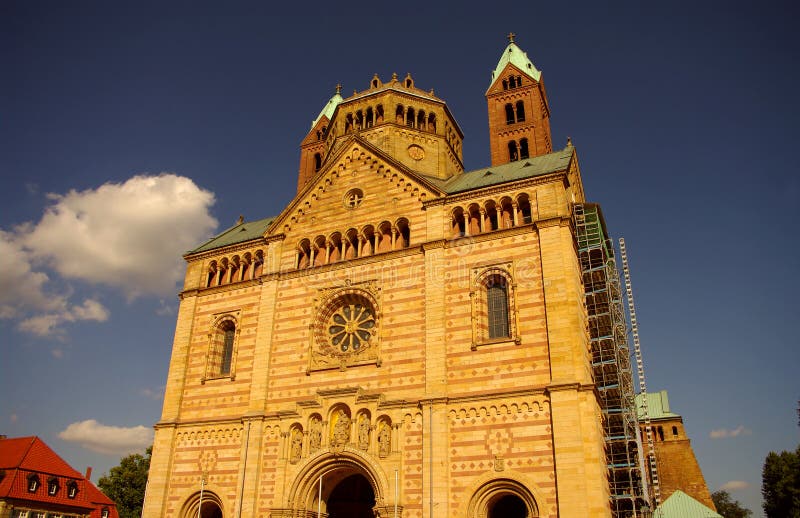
[[351, 326]]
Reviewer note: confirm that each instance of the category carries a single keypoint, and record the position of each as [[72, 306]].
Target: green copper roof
[[519, 59], [329, 108], [519, 170], [238, 233], [681, 505], [657, 405]]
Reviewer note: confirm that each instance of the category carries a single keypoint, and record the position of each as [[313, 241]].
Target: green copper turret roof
[[330, 107], [657, 406], [515, 56], [681, 505]]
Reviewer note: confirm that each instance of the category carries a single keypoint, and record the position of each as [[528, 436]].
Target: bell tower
[[519, 115]]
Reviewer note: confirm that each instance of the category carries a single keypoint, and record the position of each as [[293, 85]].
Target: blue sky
[[131, 132]]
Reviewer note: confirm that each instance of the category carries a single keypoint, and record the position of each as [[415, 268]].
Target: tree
[[780, 484], [125, 484], [729, 508]]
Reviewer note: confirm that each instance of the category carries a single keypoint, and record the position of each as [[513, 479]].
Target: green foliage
[[126, 483], [780, 484], [729, 508]]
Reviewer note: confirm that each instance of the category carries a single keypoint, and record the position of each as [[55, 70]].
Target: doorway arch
[[502, 498], [351, 497], [211, 506], [352, 485]]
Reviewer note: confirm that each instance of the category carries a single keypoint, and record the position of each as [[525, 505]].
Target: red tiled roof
[[25, 457]]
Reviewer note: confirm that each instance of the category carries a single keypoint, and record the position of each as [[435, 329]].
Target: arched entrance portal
[[352, 486], [211, 506], [210, 510], [502, 498], [508, 506], [353, 497]]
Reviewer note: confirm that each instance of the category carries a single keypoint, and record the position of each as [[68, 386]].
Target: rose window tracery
[[351, 326]]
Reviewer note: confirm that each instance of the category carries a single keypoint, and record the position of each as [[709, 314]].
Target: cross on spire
[[511, 37]]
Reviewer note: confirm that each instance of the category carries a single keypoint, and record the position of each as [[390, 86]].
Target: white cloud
[[47, 324], [153, 393], [20, 286], [113, 440], [724, 433], [734, 485], [128, 236]]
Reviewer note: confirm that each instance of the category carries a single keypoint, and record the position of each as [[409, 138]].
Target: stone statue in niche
[[315, 434], [384, 440], [341, 430], [297, 445], [363, 433]]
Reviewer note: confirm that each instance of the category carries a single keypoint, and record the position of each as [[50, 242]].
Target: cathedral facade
[[404, 339]]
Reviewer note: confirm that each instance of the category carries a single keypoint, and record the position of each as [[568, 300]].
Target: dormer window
[[33, 483], [72, 489], [52, 486], [104, 513]]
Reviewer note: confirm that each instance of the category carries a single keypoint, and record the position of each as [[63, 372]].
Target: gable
[[360, 169]]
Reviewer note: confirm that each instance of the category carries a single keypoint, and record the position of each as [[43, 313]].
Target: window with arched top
[[520, 111], [403, 237], [523, 148], [410, 118], [513, 152], [493, 306], [509, 114], [223, 339], [497, 307], [317, 161]]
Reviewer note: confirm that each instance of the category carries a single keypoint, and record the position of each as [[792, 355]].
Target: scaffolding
[[611, 361]]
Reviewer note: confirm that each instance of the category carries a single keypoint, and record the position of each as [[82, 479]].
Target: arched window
[[497, 307], [432, 123], [520, 111], [512, 82], [399, 114], [370, 117], [221, 349], [674, 431], [317, 161], [379, 114], [524, 204], [523, 148], [493, 306], [492, 221], [258, 264], [513, 154], [458, 226], [228, 333], [403, 234], [505, 84], [410, 118], [359, 120], [509, 114], [212, 274]]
